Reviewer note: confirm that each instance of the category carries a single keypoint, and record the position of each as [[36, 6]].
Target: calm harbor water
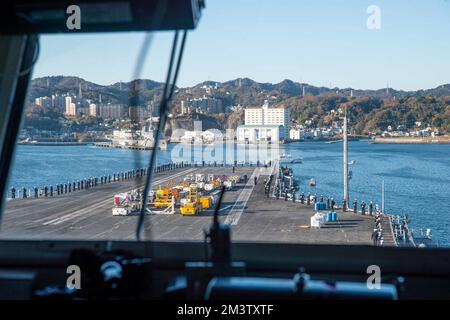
[[417, 177]]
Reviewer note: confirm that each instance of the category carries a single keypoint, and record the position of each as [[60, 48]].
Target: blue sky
[[317, 42]]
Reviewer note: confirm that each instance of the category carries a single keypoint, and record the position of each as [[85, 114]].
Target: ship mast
[[345, 151]]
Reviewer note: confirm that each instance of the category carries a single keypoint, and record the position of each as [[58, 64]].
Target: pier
[[86, 214], [119, 146], [132, 145]]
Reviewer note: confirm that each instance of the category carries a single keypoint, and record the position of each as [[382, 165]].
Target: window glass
[[325, 122]]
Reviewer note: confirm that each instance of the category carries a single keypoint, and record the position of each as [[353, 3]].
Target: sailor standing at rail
[[355, 206], [363, 207], [374, 236], [380, 234], [302, 198], [332, 204], [371, 208], [378, 222], [308, 199]]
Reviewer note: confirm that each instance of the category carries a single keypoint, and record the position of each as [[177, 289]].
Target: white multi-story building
[[93, 110], [110, 111], [265, 124], [44, 102], [254, 116], [184, 107], [268, 116], [260, 133], [305, 134], [202, 105], [68, 102], [71, 108], [295, 134], [58, 101], [138, 113]]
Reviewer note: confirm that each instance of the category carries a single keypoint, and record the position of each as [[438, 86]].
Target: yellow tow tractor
[[206, 202], [192, 205], [163, 198]]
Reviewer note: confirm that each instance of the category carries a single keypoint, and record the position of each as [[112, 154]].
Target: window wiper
[[169, 88], [219, 236]]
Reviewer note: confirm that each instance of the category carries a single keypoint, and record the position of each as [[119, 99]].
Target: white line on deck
[[241, 202]]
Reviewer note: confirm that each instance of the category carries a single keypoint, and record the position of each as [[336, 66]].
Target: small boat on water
[[352, 162], [296, 160], [285, 156], [312, 182], [423, 239], [333, 141], [291, 160]]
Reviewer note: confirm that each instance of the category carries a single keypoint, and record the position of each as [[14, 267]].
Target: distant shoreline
[[412, 140], [54, 144], [376, 140]]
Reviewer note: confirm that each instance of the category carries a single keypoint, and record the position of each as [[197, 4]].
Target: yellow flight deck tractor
[[163, 198], [206, 202], [191, 205]]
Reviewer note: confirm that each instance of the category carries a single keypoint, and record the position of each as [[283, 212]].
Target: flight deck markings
[[241, 202]]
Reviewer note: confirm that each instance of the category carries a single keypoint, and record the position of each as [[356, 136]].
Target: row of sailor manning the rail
[[377, 233], [87, 183]]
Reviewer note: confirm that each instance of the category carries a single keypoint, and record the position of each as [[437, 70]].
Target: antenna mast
[[345, 151]]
